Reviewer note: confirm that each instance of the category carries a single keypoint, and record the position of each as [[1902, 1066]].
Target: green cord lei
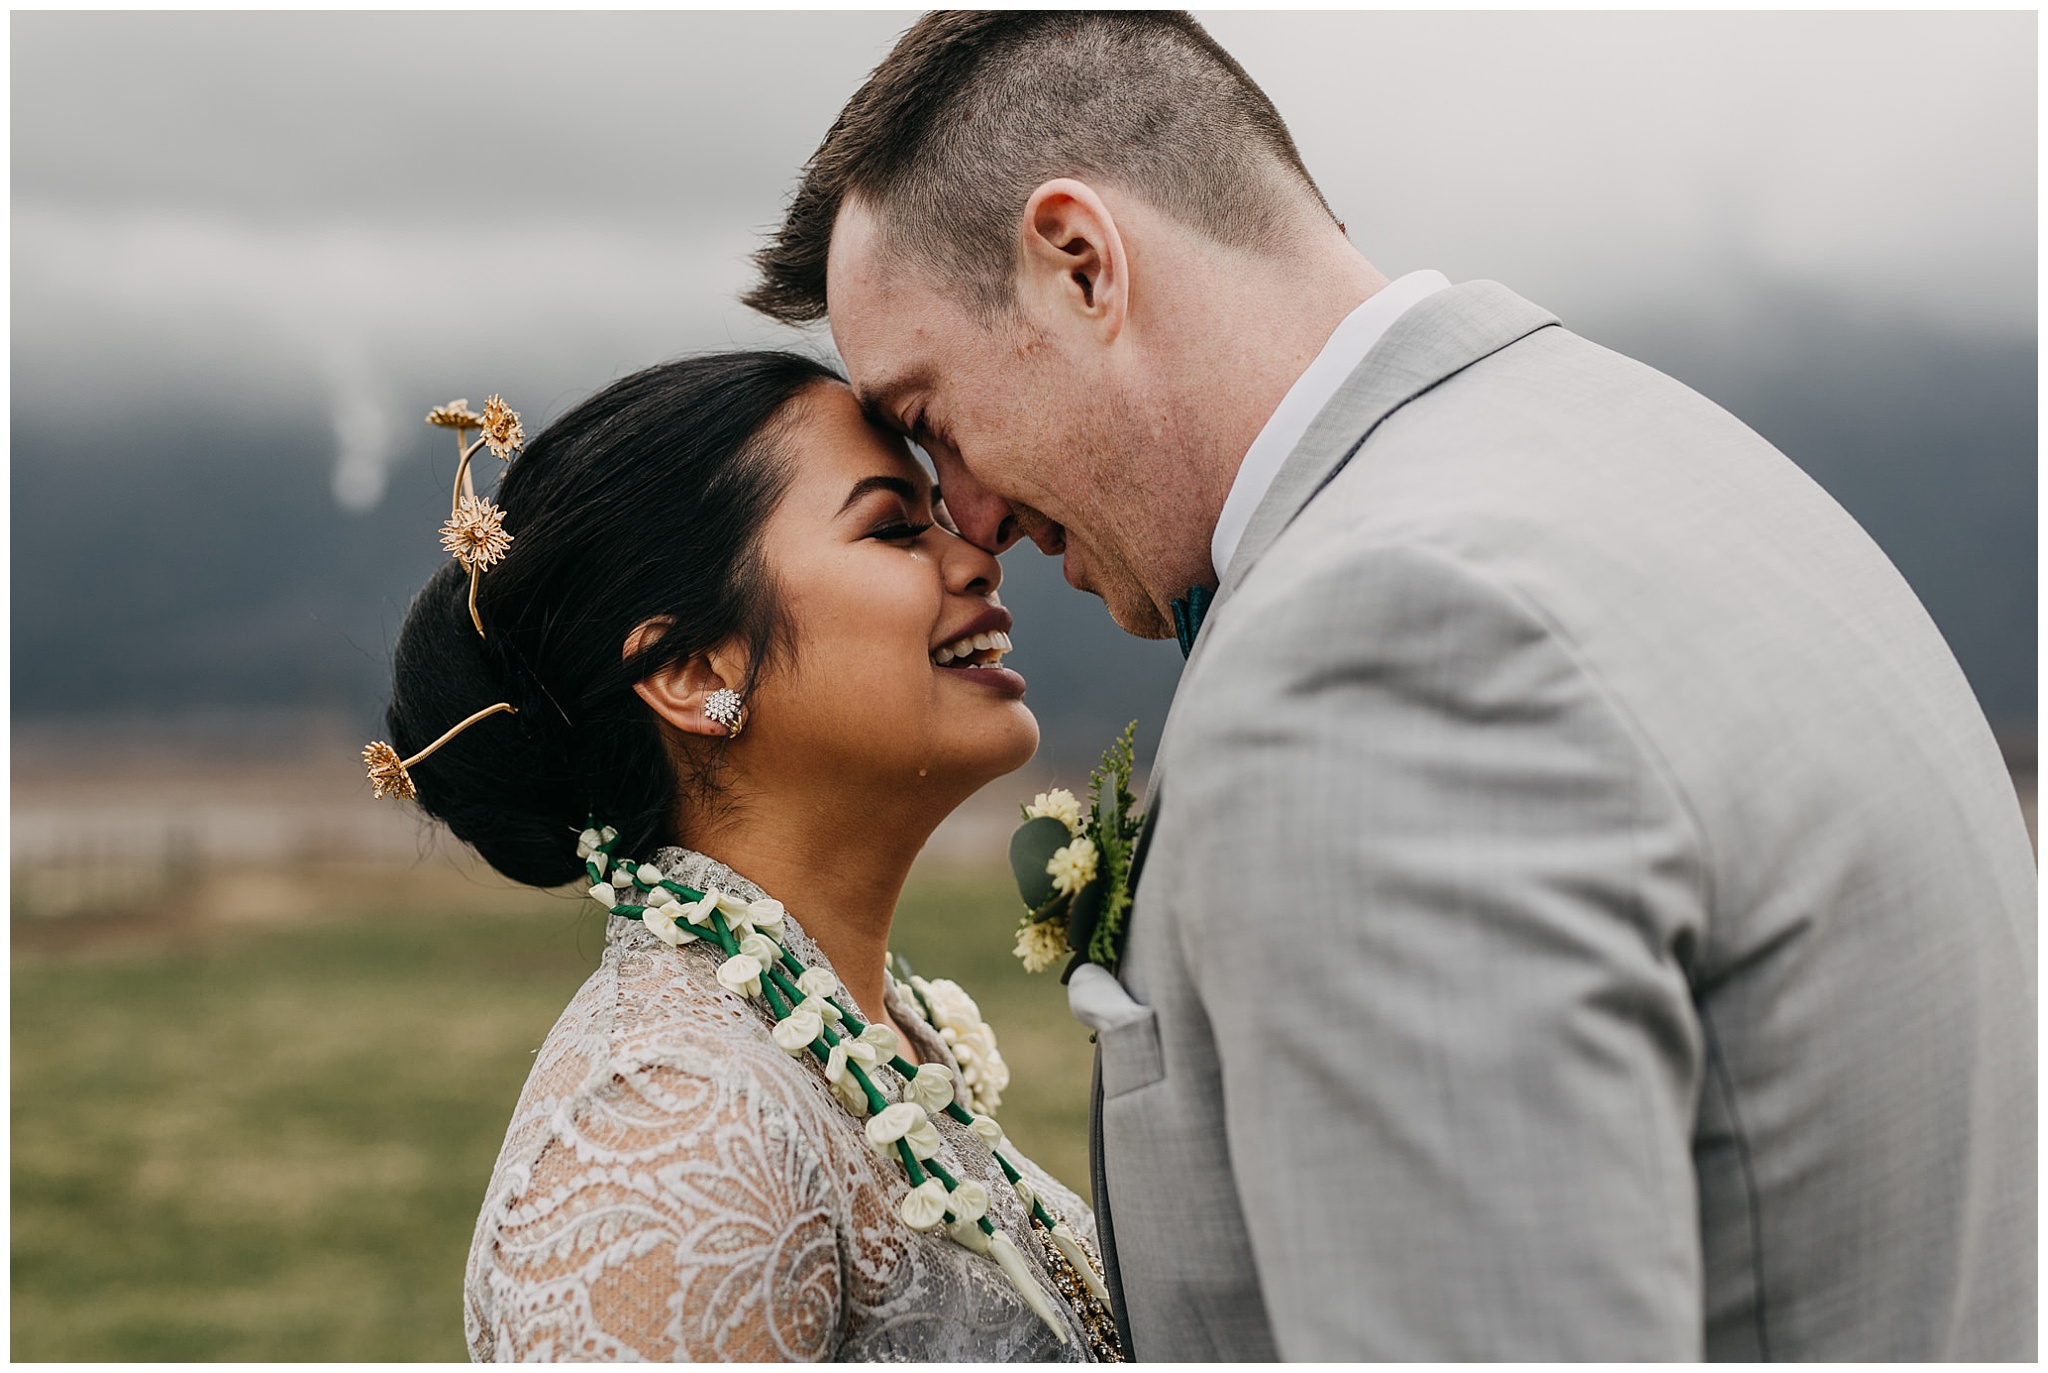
[[811, 1018]]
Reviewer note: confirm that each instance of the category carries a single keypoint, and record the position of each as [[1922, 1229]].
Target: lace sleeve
[[674, 1217]]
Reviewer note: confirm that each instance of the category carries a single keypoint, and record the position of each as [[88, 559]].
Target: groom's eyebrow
[[879, 400], [875, 405]]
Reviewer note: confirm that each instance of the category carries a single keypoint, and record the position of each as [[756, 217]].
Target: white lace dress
[[674, 1187]]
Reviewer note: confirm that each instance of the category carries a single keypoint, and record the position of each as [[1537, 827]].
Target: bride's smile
[[887, 676]]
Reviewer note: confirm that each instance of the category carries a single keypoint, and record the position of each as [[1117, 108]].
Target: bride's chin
[[1001, 745]]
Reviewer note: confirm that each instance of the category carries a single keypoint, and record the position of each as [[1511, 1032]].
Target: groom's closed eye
[[880, 408]]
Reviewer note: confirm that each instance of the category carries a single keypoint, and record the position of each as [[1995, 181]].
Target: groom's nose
[[982, 517]]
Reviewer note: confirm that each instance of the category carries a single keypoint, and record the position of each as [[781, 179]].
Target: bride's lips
[[973, 651]]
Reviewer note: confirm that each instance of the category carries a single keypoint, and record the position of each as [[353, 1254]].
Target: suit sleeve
[[1440, 928]]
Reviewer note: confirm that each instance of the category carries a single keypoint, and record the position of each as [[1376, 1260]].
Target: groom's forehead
[[891, 325], [890, 352], [858, 286]]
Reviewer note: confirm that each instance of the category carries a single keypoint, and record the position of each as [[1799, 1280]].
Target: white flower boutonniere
[[1073, 867], [1058, 804], [1041, 945]]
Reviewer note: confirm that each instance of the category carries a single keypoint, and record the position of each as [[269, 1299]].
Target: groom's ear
[[1073, 269]]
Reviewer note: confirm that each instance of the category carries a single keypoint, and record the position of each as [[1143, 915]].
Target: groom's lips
[[1052, 541], [1072, 570]]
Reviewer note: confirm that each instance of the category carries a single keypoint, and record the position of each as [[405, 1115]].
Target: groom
[[1584, 912]]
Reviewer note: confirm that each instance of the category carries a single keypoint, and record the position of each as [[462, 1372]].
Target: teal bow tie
[[1187, 616]]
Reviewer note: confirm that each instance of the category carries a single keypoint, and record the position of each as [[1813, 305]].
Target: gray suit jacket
[[1584, 914]]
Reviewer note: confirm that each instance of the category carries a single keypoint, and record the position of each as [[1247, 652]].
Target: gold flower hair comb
[[475, 534], [475, 530], [389, 775]]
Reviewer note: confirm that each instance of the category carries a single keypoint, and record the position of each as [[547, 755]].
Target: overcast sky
[[358, 214]]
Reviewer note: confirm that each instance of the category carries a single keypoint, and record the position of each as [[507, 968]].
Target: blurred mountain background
[[251, 250], [266, 1034]]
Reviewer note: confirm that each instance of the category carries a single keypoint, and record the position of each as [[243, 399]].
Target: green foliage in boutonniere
[[1073, 867]]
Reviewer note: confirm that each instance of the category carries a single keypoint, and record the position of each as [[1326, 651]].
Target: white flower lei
[[809, 1018], [954, 1014]]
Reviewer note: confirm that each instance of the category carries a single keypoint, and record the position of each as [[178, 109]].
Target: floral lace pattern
[[674, 1186]]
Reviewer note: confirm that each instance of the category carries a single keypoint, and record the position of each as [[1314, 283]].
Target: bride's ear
[[677, 693]]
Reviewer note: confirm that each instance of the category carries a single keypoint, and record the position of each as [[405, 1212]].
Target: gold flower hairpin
[[475, 535], [475, 530], [389, 774]]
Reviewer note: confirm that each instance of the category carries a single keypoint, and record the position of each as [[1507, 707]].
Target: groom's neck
[[1230, 333]]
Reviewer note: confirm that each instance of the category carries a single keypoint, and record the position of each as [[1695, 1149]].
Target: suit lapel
[[1432, 341]]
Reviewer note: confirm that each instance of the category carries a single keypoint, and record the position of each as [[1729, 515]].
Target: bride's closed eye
[[900, 531]]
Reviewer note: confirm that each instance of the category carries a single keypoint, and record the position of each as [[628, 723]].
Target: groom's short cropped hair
[[972, 109]]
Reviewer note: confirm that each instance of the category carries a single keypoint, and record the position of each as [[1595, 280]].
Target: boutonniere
[[1073, 867]]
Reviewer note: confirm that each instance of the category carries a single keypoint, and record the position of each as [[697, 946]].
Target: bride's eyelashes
[[902, 531]]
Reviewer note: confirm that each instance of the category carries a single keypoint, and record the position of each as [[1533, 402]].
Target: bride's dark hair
[[645, 502]]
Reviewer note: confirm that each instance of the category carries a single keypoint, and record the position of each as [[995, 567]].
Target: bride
[[743, 669]]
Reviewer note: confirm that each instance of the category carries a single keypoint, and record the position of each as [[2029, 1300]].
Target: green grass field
[[268, 1140]]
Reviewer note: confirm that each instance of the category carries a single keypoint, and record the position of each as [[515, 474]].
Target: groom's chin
[[1129, 605], [1135, 614]]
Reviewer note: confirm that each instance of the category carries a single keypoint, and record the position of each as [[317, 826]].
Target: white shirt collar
[[1312, 390]]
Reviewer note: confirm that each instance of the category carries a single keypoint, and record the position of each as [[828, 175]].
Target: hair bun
[[505, 787], [690, 439]]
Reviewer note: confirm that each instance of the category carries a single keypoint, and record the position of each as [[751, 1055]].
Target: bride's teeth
[[993, 644]]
